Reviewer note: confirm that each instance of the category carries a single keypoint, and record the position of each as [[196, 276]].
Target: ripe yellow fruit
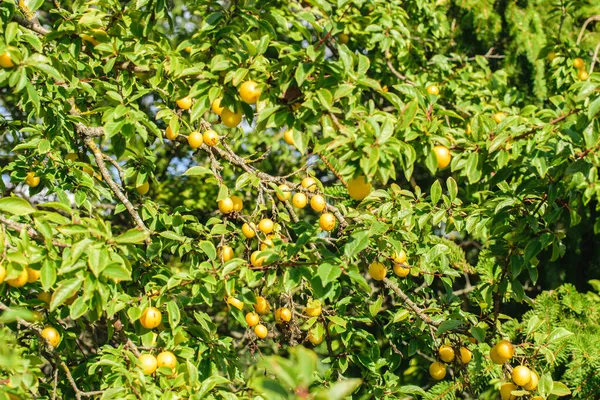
[[283, 314], [532, 384], [268, 242], [210, 138], [313, 339], [317, 203], [255, 260], [32, 274], [299, 200], [313, 309], [6, 60], [433, 90], [582, 75], [225, 205], [327, 222], [149, 363], [261, 331], [151, 318], [185, 103], [231, 119], [286, 193], [437, 370], [359, 188], [465, 355], [32, 180], [170, 134], [551, 56], [505, 349], [442, 154], [51, 335], [249, 92], [225, 253], [249, 230], [2, 273], [262, 306], [90, 38], [166, 359], [521, 375], [401, 271], [252, 319], [506, 389], [446, 353], [188, 49], [266, 225], [288, 137], [537, 398], [499, 117], [238, 204], [143, 188], [232, 301], [37, 316], [400, 257], [45, 297], [343, 38], [496, 359], [20, 280], [578, 63], [377, 270], [195, 139], [216, 106], [309, 184]]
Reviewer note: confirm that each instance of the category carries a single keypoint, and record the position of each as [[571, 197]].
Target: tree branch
[[32, 233], [585, 24], [32, 25], [420, 312]]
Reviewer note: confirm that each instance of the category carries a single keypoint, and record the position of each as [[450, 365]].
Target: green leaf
[[197, 170], [47, 274], [436, 192], [209, 249], [78, 308], [558, 334], [117, 272], [339, 390], [132, 236], [358, 242], [560, 389], [65, 290], [376, 306], [411, 389], [15, 206], [452, 188], [448, 326], [328, 273], [174, 316], [545, 385]]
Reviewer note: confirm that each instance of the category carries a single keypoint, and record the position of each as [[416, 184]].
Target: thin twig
[[585, 24], [420, 312]]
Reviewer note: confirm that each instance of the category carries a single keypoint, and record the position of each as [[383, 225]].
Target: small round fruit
[[266, 225], [578, 63], [166, 359], [299, 200], [327, 222], [285, 193], [149, 363], [210, 138], [343, 38], [288, 137], [442, 154], [521, 375], [359, 188], [309, 184], [537, 398], [313, 309], [446, 353], [255, 260], [506, 389], [268, 242], [238, 204], [401, 271], [143, 188], [232, 301], [6, 60], [261, 331], [317, 203], [231, 119], [551, 56], [262, 306], [532, 384], [188, 49], [377, 270], [505, 349], [216, 106], [20, 280], [582, 75], [465, 355], [195, 139], [226, 205], [2, 273], [45, 297], [37, 316], [400, 257], [51, 335], [185, 103], [313, 339], [32, 180], [437, 370], [283, 314], [249, 230], [252, 319], [170, 134], [433, 90], [249, 92], [151, 318], [499, 117], [225, 253], [32, 274], [495, 357]]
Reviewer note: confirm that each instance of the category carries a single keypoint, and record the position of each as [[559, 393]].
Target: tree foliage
[[453, 147]]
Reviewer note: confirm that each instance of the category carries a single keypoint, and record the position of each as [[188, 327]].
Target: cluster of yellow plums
[[446, 353], [378, 271], [27, 275], [151, 318], [521, 375], [579, 64]]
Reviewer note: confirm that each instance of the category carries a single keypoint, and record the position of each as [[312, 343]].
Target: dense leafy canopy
[[196, 193]]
